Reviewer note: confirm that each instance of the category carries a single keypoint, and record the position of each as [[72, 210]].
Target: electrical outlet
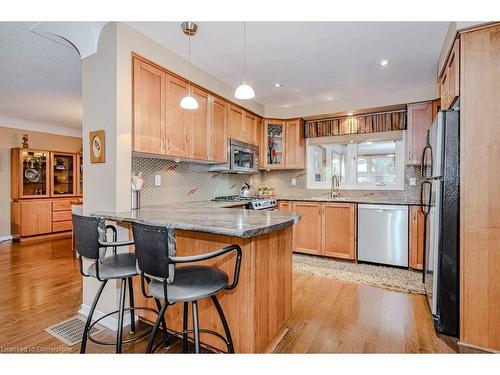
[[294, 181], [413, 181], [157, 180]]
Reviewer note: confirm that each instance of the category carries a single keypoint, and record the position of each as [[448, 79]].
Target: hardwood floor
[[41, 285]]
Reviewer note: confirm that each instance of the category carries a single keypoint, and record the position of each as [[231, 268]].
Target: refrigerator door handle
[[425, 206], [423, 168]]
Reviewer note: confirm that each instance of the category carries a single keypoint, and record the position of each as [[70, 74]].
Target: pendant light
[[244, 91], [189, 102]]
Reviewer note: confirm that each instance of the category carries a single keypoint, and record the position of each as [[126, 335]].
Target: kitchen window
[[359, 162]]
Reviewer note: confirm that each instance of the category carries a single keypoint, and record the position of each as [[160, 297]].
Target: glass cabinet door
[[274, 136], [34, 173], [80, 175], [63, 174]]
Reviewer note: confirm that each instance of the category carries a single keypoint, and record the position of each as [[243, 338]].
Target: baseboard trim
[[488, 350], [110, 322]]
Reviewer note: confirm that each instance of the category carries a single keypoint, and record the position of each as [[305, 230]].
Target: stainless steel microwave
[[241, 158]]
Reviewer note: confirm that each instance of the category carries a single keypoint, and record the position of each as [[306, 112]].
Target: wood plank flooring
[[41, 285]]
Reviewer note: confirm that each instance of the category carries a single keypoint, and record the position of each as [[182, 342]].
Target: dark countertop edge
[[353, 200], [197, 228]]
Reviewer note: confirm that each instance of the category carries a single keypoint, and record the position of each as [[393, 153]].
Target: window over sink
[[360, 162]]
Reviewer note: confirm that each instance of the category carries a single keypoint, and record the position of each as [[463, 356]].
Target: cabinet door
[[285, 206], [30, 173], [339, 230], [148, 108], [63, 174], [36, 217], [177, 130], [307, 232], [453, 73], [235, 124], [260, 142], [199, 124], [249, 128], [419, 121], [274, 143], [218, 134], [444, 90], [416, 250], [295, 150]]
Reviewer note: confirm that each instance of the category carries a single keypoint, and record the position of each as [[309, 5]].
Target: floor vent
[[70, 331]]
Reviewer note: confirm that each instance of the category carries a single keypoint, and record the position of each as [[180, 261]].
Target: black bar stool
[[90, 235], [155, 252]]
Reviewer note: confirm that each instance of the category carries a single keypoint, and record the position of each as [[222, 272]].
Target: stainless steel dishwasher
[[383, 234]]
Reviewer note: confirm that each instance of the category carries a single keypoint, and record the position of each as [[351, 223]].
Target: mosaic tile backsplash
[[184, 182]]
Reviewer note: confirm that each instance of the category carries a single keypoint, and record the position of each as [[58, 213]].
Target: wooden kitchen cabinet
[[285, 206], [416, 250], [249, 128], [235, 123], [307, 232], [450, 78], [274, 144], [149, 84], [199, 125], [218, 136], [295, 145], [419, 121], [339, 230], [177, 129], [31, 217]]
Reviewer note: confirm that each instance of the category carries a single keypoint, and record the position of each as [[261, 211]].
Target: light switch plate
[[413, 181], [294, 181], [157, 180]]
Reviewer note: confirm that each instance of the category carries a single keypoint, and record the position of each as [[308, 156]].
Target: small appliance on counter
[[246, 190]]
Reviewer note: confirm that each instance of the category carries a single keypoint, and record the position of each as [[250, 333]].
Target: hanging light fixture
[[244, 91], [189, 102]]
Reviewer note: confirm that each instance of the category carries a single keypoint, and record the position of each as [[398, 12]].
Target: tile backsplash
[[183, 181]]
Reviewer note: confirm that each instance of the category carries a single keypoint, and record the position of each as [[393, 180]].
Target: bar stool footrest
[[180, 334]]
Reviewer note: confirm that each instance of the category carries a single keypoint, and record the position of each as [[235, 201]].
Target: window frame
[[399, 136]]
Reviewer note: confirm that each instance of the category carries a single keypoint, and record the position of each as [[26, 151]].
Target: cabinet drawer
[[61, 205], [61, 216], [61, 226]]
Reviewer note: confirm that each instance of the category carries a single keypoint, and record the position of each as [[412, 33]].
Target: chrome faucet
[[335, 189]]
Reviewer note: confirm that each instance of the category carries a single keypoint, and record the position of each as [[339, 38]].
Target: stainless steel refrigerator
[[439, 202]]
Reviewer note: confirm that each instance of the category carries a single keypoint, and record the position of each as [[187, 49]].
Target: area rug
[[399, 279]]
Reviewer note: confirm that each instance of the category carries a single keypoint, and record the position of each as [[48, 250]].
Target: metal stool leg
[[119, 335], [155, 328], [163, 322], [131, 301], [196, 331], [230, 346], [184, 328], [89, 318]]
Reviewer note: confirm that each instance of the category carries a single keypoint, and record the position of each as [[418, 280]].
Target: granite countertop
[[366, 200], [208, 217]]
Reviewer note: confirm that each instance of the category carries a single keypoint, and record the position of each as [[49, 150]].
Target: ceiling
[[40, 79], [314, 61]]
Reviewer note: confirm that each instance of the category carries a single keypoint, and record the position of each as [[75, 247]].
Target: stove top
[[253, 203]]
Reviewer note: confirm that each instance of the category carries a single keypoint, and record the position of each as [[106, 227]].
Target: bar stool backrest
[[153, 247], [87, 231]]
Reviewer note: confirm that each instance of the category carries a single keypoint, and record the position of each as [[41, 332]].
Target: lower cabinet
[[307, 232], [327, 229], [339, 230], [416, 244]]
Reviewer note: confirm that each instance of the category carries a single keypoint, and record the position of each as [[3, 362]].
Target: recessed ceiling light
[[277, 84], [384, 62]]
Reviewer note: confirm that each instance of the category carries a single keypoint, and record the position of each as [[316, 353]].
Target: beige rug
[[380, 276]]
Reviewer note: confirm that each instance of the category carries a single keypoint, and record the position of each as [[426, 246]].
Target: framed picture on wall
[[97, 146]]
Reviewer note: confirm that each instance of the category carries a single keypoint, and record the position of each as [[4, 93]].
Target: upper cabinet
[[419, 121], [63, 174], [30, 173], [450, 78], [295, 149], [177, 129], [199, 125], [149, 108], [218, 127], [235, 123], [274, 141]]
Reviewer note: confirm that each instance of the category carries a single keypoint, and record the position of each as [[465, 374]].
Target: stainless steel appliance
[[252, 203], [245, 191], [439, 202], [383, 234], [241, 158]]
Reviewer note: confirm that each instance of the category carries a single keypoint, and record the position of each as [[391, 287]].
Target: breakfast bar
[[259, 307]]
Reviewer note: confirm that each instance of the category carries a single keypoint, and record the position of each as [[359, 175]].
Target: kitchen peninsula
[[259, 307]]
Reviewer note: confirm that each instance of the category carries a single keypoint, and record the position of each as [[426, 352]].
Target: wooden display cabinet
[[63, 174], [30, 174]]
